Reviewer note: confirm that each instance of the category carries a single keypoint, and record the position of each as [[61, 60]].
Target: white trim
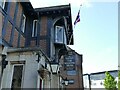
[[34, 32], [23, 23], [2, 3], [56, 34], [13, 72]]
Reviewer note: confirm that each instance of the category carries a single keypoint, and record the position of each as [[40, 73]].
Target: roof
[[53, 9], [74, 51], [28, 8], [101, 75], [104, 72]]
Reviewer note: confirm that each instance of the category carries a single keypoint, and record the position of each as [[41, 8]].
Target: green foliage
[[109, 82], [119, 80]]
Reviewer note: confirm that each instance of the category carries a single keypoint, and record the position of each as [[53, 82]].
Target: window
[[34, 31], [60, 36], [23, 23], [17, 76], [4, 4]]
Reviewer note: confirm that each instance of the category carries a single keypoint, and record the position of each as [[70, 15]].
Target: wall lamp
[[65, 81], [55, 67]]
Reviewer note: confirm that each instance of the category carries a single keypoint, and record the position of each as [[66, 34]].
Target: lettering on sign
[[69, 61]]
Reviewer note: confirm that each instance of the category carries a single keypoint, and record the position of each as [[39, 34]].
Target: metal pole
[[89, 81]]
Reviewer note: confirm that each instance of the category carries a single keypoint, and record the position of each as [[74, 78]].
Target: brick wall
[[78, 79], [43, 45], [22, 41], [19, 13], [8, 32], [12, 9], [1, 23], [15, 38], [43, 26], [33, 43], [43, 32]]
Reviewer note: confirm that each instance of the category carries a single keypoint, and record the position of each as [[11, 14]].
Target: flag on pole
[[77, 18]]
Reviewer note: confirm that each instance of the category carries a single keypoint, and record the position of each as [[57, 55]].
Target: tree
[[109, 82], [119, 80]]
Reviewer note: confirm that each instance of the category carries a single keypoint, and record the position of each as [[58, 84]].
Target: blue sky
[[96, 35]]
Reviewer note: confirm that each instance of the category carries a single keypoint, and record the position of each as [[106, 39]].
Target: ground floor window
[[17, 76]]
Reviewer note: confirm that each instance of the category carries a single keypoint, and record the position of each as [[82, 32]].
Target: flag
[[77, 18]]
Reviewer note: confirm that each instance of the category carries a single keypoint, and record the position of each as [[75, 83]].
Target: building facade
[[26, 68], [96, 80], [49, 29], [71, 69]]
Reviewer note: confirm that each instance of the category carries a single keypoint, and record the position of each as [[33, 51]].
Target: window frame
[[34, 30], [13, 73], [23, 22], [56, 34], [2, 3]]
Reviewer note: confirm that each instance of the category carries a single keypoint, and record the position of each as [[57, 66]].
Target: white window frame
[[56, 35], [34, 32], [23, 23], [63, 36], [13, 72], [2, 3]]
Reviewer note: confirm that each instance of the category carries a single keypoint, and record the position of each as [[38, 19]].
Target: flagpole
[[77, 15], [80, 6]]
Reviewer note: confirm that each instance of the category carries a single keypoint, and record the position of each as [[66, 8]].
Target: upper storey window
[[34, 30], [23, 20], [60, 36], [4, 4]]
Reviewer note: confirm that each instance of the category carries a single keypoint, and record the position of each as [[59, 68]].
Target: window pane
[[34, 31], [23, 23], [17, 77], [59, 34], [4, 4]]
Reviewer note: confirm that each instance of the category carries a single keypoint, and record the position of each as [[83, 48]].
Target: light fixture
[[66, 81], [54, 67]]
